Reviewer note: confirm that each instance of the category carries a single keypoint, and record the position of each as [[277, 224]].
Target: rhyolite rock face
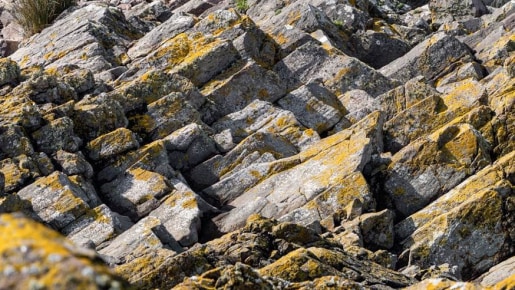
[[260, 145]]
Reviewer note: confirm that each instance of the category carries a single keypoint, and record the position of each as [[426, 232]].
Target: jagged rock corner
[[259, 144]]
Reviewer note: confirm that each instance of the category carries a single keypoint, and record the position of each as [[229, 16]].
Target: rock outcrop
[[261, 145]]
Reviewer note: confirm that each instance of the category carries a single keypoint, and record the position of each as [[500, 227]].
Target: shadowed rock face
[[260, 145]]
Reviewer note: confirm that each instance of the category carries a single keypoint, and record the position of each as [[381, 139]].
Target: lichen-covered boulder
[[314, 106], [238, 276], [405, 96], [176, 24], [96, 227], [146, 236], [257, 148], [57, 135], [112, 144], [170, 113], [44, 87], [378, 49], [57, 200], [14, 141], [190, 146], [329, 207], [449, 10], [151, 157], [430, 58], [377, 229], [338, 72], [308, 264], [181, 213], [136, 193], [236, 89], [435, 112], [19, 110], [358, 104], [427, 168], [15, 176], [96, 116], [54, 262], [73, 164], [261, 116], [335, 158], [467, 226], [193, 56], [94, 37]]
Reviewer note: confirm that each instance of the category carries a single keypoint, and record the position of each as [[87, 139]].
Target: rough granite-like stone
[[281, 191], [338, 72], [430, 166], [112, 144], [94, 37], [430, 58], [36, 256], [97, 227], [136, 193], [314, 106], [57, 200]]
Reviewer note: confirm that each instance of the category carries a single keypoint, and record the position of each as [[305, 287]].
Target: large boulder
[[431, 166], [314, 106], [261, 116], [54, 261], [136, 193], [467, 226], [58, 200], [93, 37], [237, 88], [430, 58], [338, 72], [288, 184]]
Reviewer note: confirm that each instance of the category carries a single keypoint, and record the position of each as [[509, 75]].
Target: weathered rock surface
[[36, 256], [429, 58], [285, 185], [260, 145]]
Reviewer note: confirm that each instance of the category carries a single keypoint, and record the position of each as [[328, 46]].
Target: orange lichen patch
[[280, 38], [282, 121], [23, 232], [174, 50], [378, 24], [98, 216], [293, 17], [142, 123], [190, 204], [52, 71], [199, 48], [24, 60], [143, 268], [156, 182], [53, 260], [255, 174], [12, 174], [48, 55], [464, 95], [506, 284]]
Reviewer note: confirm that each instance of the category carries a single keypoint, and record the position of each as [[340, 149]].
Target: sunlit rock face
[[260, 145]]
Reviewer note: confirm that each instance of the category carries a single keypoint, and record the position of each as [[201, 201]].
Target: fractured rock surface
[[260, 145]]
